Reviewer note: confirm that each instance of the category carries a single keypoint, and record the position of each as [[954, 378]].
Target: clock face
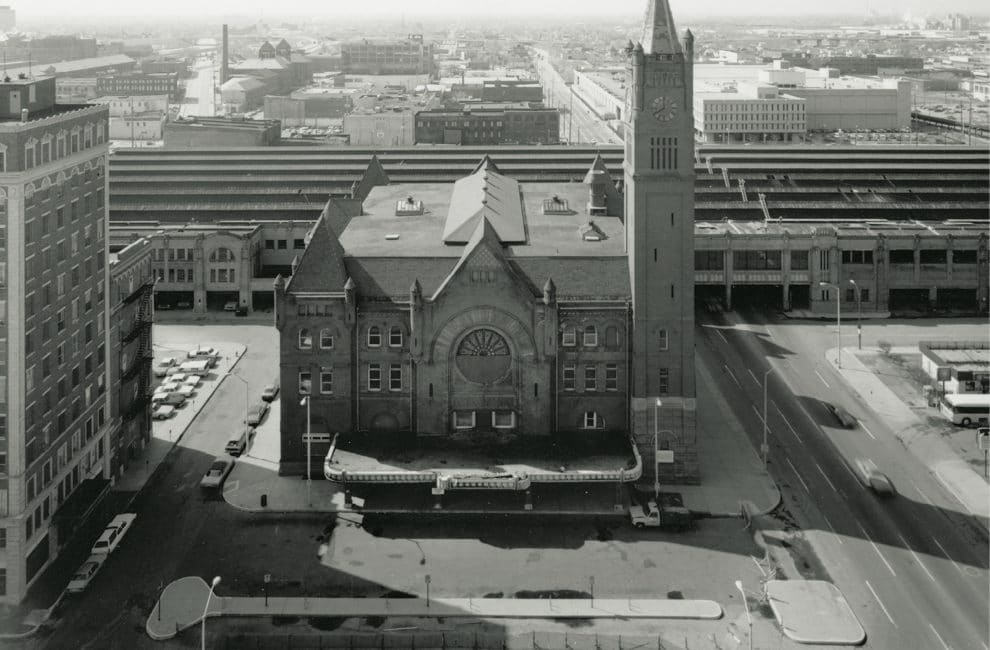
[[664, 108]]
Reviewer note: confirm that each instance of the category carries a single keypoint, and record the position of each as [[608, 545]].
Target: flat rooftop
[[422, 235]]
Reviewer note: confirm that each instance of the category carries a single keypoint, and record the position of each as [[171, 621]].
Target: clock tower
[[659, 214]]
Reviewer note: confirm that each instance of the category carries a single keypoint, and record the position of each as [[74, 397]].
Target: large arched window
[[305, 339], [222, 255], [483, 356]]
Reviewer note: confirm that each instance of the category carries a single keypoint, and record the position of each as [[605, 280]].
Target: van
[[238, 442], [200, 367]]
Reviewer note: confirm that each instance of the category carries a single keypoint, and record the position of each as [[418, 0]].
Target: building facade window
[[503, 419], [326, 380], [374, 376], [611, 377], [395, 376], [305, 339], [326, 339], [569, 373], [664, 387], [663, 342], [374, 337], [568, 337], [590, 420], [799, 260], [590, 336], [590, 378], [395, 337], [305, 382], [463, 419]]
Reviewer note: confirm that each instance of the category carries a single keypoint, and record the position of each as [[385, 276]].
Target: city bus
[[966, 408]]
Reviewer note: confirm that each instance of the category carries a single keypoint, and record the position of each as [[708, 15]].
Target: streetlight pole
[[427, 579], [749, 616], [309, 448], [838, 319], [213, 585], [765, 448], [859, 313], [656, 451]]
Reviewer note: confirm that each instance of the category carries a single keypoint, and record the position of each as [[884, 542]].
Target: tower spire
[[659, 33]]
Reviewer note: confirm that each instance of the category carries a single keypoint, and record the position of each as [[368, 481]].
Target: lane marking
[[876, 548], [822, 378], [938, 636], [830, 527], [759, 416], [868, 432], [798, 474], [781, 413], [923, 495], [755, 380], [948, 557], [825, 476], [916, 558], [722, 336], [732, 375], [880, 602]]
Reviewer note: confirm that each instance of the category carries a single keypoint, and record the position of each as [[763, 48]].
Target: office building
[[489, 124], [139, 84], [408, 56], [56, 420]]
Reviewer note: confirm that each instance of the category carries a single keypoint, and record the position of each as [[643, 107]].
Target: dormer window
[[409, 207]]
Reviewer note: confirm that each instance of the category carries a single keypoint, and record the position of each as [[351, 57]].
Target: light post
[[427, 580], [213, 585], [838, 319], [765, 448], [591, 582], [309, 447], [749, 617], [859, 313], [656, 451]]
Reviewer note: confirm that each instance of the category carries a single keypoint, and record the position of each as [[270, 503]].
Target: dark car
[[842, 416], [257, 413]]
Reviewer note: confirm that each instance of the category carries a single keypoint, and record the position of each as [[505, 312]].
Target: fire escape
[[140, 368]]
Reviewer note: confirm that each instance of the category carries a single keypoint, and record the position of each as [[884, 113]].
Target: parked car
[[162, 366], [217, 474], [257, 413], [110, 537], [203, 353], [649, 516], [173, 398], [186, 391], [230, 306], [163, 412], [238, 441], [192, 380], [178, 378], [167, 386], [85, 574], [200, 367], [871, 476], [270, 392], [844, 417]]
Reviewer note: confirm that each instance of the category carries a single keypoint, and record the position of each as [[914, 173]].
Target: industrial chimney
[[223, 58]]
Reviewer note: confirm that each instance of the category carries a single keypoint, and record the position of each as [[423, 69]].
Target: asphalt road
[[200, 88], [585, 125], [913, 567]]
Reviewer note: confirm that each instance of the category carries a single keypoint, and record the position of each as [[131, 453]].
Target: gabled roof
[[488, 194], [659, 33], [486, 164], [321, 267], [483, 250]]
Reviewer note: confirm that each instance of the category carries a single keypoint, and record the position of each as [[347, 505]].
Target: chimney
[[223, 57], [24, 115]]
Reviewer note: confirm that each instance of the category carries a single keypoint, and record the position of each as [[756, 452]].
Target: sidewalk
[[830, 316], [183, 604], [731, 472], [961, 480]]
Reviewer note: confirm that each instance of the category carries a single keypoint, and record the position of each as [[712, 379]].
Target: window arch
[[326, 339], [612, 336], [395, 337], [374, 336], [222, 254], [568, 336], [590, 336], [305, 339]]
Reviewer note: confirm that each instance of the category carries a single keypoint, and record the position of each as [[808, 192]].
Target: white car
[[113, 533], [203, 353], [163, 412], [167, 386], [186, 391], [192, 380], [162, 366], [85, 574], [178, 378]]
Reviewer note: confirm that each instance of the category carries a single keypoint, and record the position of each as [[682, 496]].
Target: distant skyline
[[617, 8]]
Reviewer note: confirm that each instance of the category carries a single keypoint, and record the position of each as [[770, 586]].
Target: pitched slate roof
[[321, 267], [485, 193]]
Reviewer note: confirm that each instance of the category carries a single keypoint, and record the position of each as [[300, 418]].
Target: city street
[[914, 567], [579, 124], [200, 94]]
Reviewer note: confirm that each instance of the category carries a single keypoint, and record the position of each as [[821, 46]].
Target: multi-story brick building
[[366, 56], [489, 125], [56, 420], [139, 84]]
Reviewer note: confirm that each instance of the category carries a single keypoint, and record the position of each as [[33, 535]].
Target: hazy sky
[[273, 9]]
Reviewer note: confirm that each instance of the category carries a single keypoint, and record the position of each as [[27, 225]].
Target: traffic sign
[[983, 438], [665, 456]]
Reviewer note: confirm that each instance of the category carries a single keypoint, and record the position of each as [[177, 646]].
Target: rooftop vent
[[409, 207], [591, 232], [555, 205], [392, 236]]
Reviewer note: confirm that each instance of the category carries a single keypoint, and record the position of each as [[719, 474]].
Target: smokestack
[[223, 58]]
